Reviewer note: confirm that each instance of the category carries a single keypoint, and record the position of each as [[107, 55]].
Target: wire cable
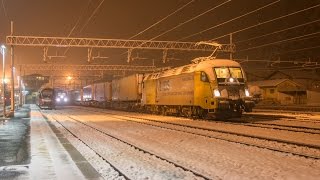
[[156, 23], [275, 32], [302, 49], [74, 27], [278, 42], [243, 15], [4, 10], [88, 20], [181, 24], [195, 17], [93, 13], [78, 21], [268, 21]]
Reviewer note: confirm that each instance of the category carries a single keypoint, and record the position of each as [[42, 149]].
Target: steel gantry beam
[[65, 67], [112, 43]]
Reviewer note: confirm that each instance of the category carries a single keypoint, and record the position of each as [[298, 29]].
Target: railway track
[[121, 175], [304, 129], [287, 111], [221, 134], [302, 119], [144, 152], [266, 125], [287, 116]]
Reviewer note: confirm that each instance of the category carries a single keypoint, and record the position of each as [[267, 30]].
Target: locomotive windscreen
[[229, 73], [46, 93]]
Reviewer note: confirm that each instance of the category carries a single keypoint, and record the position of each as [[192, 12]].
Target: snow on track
[[207, 156], [135, 164]]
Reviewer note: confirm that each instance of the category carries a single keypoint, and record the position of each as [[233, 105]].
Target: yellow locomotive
[[208, 88]]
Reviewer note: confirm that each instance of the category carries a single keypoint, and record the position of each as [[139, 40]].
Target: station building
[[278, 91]]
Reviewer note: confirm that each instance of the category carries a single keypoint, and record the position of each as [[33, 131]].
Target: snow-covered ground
[[49, 159], [207, 156]]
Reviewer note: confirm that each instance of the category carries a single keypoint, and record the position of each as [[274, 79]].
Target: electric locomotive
[[46, 98], [208, 88]]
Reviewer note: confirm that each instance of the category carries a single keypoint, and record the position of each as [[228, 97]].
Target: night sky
[[122, 19]]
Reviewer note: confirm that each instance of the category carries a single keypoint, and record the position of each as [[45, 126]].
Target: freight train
[[208, 88]]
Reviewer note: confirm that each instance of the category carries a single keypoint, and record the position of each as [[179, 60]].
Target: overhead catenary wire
[[304, 38], [293, 68], [161, 20], [268, 21], [79, 19], [4, 10], [278, 42], [86, 23], [301, 49], [279, 31], [191, 19], [75, 25], [93, 13], [266, 60], [233, 19]]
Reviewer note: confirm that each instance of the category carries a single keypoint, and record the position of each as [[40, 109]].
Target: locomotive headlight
[[246, 92], [216, 93], [58, 99], [65, 99], [231, 80]]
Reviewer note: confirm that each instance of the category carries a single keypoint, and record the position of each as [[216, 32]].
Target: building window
[[271, 91]]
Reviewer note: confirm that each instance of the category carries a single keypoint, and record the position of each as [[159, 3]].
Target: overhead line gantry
[[90, 43], [67, 67], [111, 43]]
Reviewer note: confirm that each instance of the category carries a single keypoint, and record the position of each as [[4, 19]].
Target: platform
[[32, 149]]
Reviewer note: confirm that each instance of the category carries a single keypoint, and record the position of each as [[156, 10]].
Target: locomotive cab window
[[223, 73], [204, 77], [236, 73]]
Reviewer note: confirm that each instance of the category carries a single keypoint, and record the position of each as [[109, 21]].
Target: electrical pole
[[12, 77], [81, 91], [231, 53], [3, 79], [20, 88]]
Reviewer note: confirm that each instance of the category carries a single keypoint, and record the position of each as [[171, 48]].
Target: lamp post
[[69, 78], [12, 84], [3, 48]]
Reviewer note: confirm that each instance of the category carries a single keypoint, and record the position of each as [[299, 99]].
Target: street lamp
[[3, 48]]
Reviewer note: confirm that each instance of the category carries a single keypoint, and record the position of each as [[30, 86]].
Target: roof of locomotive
[[203, 64]]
